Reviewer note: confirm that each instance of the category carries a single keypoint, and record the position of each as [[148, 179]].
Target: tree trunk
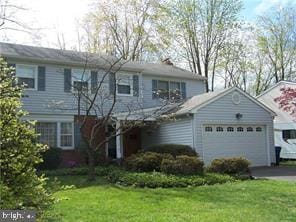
[[91, 164]]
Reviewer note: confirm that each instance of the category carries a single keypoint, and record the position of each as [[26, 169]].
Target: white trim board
[[49, 118]]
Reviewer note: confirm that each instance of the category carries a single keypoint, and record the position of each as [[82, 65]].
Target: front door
[[131, 142]]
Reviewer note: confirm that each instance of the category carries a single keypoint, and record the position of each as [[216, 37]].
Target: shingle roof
[[67, 57], [198, 100]]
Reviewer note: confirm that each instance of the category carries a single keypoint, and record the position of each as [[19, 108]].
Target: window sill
[[129, 95], [66, 147]]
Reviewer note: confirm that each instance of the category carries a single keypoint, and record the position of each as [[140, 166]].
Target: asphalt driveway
[[287, 173]]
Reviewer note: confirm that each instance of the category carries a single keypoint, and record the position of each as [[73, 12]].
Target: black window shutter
[[94, 81], [136, 85], [41, 78], [77, 135], [112, 83], [154, 89], [67, 80], [183, 90]]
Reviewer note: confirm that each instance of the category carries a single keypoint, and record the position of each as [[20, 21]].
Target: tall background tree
[[277, 42], [198, 29], [122, 28]]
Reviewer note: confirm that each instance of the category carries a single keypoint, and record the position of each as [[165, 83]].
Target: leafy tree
[[287, 100], [277, 41], [198, 30], [20, 187], [122, 28]]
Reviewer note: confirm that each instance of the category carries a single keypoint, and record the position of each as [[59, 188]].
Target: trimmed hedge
[[145, 161], [173, 149], [157, 179], [232, 166], [52, 159], [154, 179], [182, 165]]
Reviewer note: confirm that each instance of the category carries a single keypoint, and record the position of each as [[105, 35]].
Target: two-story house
[[219, 124]]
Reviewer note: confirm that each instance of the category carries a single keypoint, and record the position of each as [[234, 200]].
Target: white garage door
[[247, 141]]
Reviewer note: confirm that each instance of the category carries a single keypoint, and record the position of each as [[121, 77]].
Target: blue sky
[[253, 8], [249, 9]]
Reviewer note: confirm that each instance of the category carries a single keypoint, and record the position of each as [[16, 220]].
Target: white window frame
[[59, 129], [35, 75], [56, 133], [130, 76], [86, 73]]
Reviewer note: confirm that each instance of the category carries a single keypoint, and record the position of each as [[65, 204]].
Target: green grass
[[259, 200], [288, 163]]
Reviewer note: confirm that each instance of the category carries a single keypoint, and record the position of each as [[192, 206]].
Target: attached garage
[[229, 123], [247, 141]]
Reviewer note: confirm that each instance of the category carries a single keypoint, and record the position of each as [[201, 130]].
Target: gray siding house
[[218, 124]]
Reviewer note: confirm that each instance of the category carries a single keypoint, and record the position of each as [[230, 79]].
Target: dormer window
[[80, 79], [27, 76]]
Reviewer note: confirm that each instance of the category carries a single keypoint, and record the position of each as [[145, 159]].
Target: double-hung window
[[80, 80], [175, 90], [56, 134], [163, 89], [169, 90], [66, 134], [47, 133], [124, 84], [27, 76]]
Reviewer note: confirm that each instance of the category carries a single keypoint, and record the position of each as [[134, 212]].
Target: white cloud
[[265, 5]]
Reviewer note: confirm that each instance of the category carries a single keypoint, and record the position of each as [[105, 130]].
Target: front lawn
[[259, 200], [288, 163]]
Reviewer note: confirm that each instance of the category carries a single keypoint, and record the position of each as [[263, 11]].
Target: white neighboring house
[[284, 124]]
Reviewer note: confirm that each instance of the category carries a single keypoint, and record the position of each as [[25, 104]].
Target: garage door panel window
[[208, 129], [258, 129], [240, 129], [219, 129], [230, 129], [250, 129]]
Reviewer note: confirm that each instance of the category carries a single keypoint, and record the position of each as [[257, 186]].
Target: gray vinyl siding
[[223, 111], [177, 132], [193, 87], [40, 102]]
